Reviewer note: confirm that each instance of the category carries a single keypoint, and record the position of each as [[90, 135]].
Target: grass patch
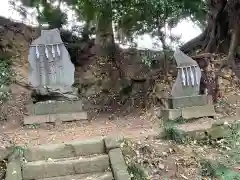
[[228, 150], [171, 132], [137, 172], [131, 152], [230, 147], [227, 158], [19, 150], [218, 170], [33, 126], [6, 75]]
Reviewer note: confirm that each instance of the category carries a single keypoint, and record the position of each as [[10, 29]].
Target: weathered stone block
[[50, 118], [95, 176], [198, 111], [54, 107], [197, 135], [187, 101], [14, 171], [44, 108], [189, 112], [63, 167], [68, 106], [57, 151], [171, 114], [112, 142], [219, 132], [118, 165]]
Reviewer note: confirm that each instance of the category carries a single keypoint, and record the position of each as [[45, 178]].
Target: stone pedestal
[[189, 107], [55, 111], [187, 101]]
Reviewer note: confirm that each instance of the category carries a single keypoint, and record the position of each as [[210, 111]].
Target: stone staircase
[[97, 159]]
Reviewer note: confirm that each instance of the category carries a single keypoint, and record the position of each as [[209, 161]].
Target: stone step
[[211, 128], [96, 176], [52, 118], [67, 150], [63, 167]]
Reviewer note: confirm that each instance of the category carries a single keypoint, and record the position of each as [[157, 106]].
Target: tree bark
[[104, 41], [218, 37], [233, 45]]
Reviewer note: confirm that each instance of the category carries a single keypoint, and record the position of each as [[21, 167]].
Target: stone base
[[55, 107], [54, 118], [189, 112], [188, 101]]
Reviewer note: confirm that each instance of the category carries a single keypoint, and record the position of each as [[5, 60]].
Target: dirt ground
[[129, 126]]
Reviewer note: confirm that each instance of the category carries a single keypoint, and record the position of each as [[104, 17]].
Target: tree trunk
[[104, 41], [219, 37]]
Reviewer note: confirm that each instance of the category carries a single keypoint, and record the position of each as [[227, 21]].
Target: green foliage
[[130, 17], [6, 75], [217, 170], [5, 72], [47, 12], [131, 154], [171, 132], [19, 150], [52, 15], [230, 146], [137, 172]]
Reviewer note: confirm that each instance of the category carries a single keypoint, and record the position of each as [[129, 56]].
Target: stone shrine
[[51, 74], [185, 100], [50, 68]]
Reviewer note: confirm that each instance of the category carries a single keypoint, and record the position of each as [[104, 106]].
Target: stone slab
[[118, 165], [171, 114], [210, 128], [67, 150], [198, 111], [187, 101], [189, 112], [14, 171], [64, 167], [112, 142], [96, 176], [238, 113], [54, 107], [219, 132], [51, 118]]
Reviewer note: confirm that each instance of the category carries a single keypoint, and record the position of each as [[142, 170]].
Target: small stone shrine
[[185, 100], [51, 74]]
